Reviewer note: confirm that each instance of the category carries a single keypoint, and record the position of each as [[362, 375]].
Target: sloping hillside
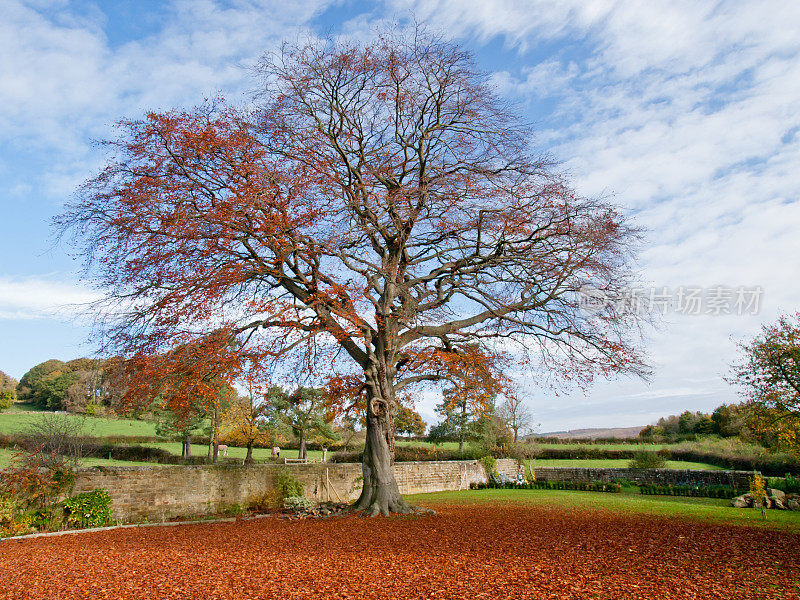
[[613, 432]]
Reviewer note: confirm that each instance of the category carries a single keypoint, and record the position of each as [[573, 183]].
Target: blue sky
[[687, 114]]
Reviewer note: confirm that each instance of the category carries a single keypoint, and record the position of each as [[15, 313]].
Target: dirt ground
[[479, 551]]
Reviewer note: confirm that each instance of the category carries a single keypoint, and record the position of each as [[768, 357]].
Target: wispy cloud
[[38, 298], [687, 114]]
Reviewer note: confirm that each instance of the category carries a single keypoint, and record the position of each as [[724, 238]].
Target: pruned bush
[[693, 491], [580, 486], [647, 460]]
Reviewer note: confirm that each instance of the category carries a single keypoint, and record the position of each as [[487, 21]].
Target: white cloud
[[38, 297], [65, 83], [685, 112]]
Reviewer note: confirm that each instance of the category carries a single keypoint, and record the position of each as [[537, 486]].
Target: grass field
[[570, 446], [7, 458], [629, 502], [18, 421]]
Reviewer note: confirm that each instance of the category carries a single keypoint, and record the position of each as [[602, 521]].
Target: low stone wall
[[736, 479], [159, 493]]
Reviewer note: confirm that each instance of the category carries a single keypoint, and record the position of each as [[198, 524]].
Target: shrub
[[7, 398], [297, 503], [89, 509], [788, 484], [28, 493], [288, 486], [646, 459], [233, 510], [58, 435], [489, 465]]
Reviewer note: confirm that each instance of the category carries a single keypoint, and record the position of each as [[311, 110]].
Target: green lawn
[[19, 421], [618, 464], [629, 502]]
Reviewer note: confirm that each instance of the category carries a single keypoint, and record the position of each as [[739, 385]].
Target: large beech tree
[[377, 205]]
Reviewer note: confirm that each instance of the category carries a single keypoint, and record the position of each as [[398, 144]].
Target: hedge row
[[580, 486], [713, 491], [771, 466], [414, 453]]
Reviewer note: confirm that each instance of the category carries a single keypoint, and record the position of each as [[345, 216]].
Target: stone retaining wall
[[164, 492], [159, 493]]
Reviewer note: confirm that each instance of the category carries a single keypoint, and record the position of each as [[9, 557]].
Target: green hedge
[[579, 486], [695, 491]]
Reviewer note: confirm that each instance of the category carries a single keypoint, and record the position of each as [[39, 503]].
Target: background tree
[[7, 398], [7, 382], [81, 385], [41, 385], [378, 212], [516, 415], [477, 378], [768, 374], [244, 424], [171, 427], [409, 421], [8, 391], [769, 370], [303, 411]]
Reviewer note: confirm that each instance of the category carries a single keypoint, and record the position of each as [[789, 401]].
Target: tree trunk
[[213, 439], [187, 441], [380, 494], [248, 460], [462, 429], [302, 453]]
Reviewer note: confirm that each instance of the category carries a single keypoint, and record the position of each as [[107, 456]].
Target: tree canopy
[[768, 374], [376, 213]]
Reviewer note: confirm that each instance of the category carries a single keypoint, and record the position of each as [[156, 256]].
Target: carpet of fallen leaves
[[483, 551]]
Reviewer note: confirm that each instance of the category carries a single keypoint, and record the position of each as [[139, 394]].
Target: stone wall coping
[[159, 467]]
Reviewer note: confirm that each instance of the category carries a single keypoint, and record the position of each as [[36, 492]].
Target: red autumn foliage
[[484, 551]]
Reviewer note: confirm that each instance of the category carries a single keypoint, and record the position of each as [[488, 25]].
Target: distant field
[[7, 458], [574, 445], [565, 446], [18, 422]]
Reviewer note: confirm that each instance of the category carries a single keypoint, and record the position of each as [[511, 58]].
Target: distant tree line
[[728, 420], [83, 385]]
